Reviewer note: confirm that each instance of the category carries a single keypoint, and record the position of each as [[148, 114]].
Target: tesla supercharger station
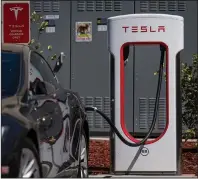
[[162, 154]]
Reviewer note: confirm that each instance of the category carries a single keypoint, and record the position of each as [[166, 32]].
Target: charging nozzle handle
[[112, 126]]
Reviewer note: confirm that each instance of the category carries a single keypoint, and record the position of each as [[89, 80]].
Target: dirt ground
[[99, 157]]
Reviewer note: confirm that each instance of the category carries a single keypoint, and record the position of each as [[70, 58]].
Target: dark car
[[44, 127]]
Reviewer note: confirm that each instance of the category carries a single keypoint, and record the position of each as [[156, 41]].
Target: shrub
[[189, 95], [189, 89]]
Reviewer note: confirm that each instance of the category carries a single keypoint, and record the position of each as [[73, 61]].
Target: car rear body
[[57, 138]]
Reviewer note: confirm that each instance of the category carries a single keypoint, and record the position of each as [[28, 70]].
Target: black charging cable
[[143, 141]]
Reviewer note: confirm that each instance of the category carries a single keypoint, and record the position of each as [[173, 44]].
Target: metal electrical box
[[86, 67], [90, 59]]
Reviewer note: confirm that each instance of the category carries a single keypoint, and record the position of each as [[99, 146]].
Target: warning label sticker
[[83, 31]]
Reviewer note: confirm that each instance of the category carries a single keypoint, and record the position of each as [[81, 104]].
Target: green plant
[[189, 84], [189, 94], [38, 21]]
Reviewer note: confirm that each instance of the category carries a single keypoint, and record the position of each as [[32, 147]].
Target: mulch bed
[[99, 157]]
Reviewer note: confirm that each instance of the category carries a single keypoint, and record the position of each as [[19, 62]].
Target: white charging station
[[162, 155]]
